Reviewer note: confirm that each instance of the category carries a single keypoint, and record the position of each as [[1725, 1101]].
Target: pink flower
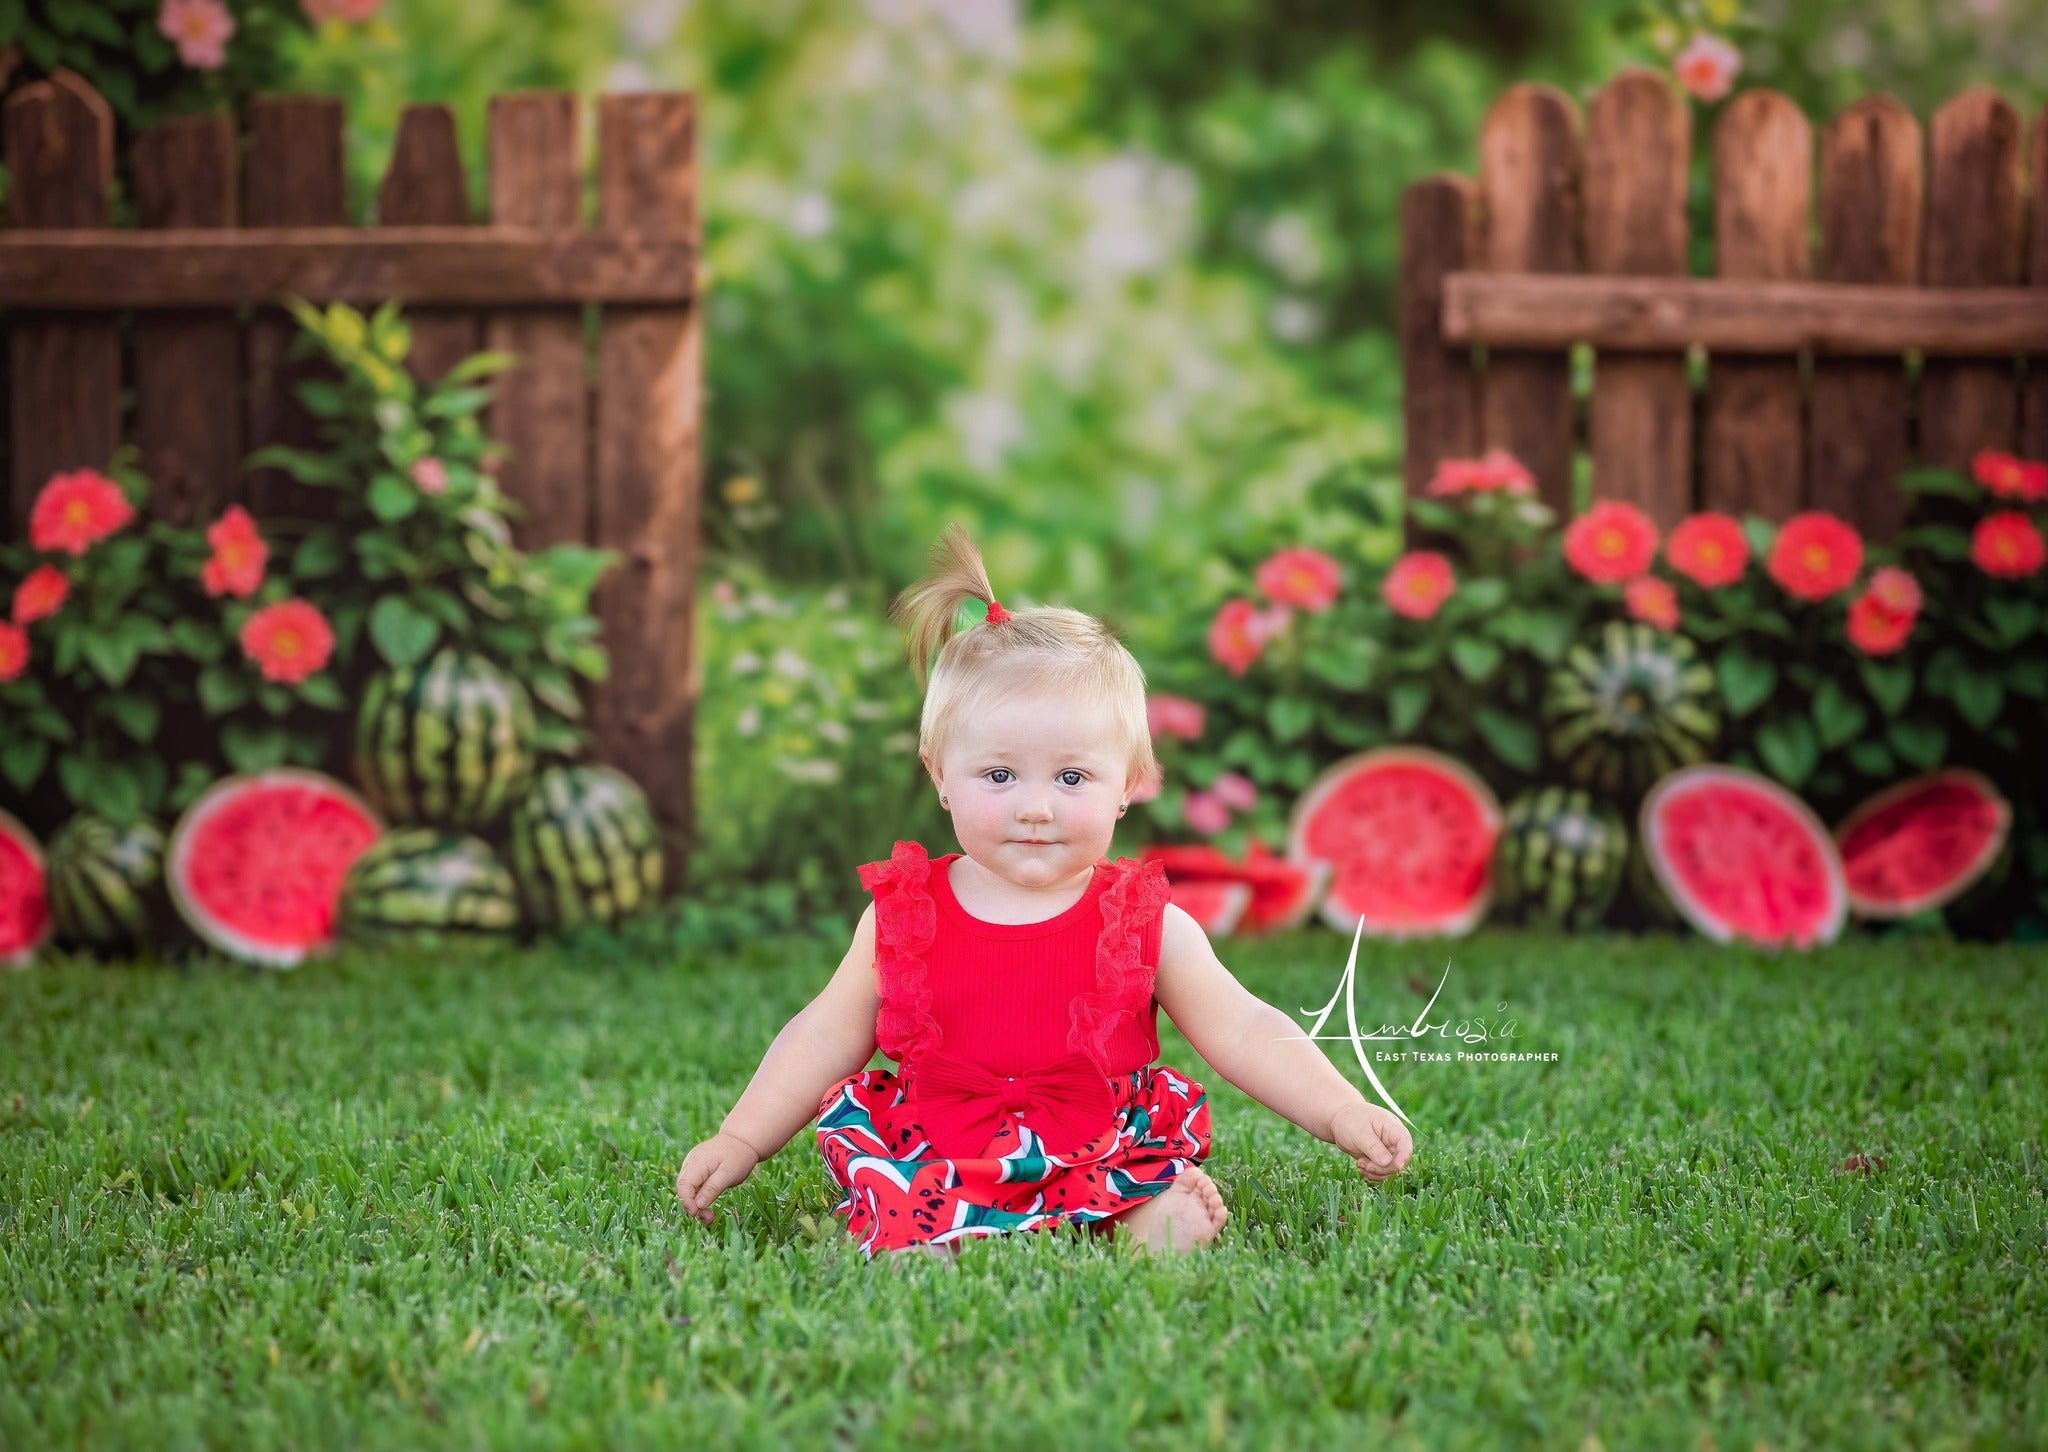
[[13, 651], [1707, 66], [40, 594], [1418, 585], [1238, 634], [1709, 549], [1651, 600], [1815, 555], [1206, 814], [200, 29], [1300, 576], [1896, 590], [289, 640], [1610, 543], [1873, 629], [239, 555], [2007, 545], [2010, 477], [75, 511], [1235, 791], [1148, 787], [1175, 716], [431, 475], [724, 592], [1494, 471]]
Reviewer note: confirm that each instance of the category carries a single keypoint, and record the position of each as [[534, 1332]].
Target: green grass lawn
[[427, 1198]]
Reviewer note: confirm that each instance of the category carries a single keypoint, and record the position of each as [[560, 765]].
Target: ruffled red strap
[[906, 921], [1123, 981]]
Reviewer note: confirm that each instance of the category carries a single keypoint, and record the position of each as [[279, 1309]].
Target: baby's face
[[1033, 785]]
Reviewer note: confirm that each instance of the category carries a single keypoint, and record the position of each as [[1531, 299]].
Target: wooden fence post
[[2034, 407], [424, 186], [64, 372], [1439, 393]]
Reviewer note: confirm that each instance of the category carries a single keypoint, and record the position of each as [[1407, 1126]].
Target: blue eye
[[1071, 771]]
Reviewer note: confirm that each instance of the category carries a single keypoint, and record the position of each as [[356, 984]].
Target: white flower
[[868, 711], [749, 721], [847, 628], [985, 27], [652, 23], [810, 215], [988, 427], [813, 769], [745, 663], [835, 598], [1294, 320], [788, 663], [1289, 244], [900, 741], [835, 732], [628, 75]]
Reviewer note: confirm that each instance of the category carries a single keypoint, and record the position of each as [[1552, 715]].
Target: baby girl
[[1016, 983]]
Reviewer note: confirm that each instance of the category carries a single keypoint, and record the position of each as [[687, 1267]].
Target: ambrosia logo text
[[1463, 1031]]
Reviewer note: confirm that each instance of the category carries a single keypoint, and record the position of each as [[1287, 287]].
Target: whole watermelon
[[419, 880], [585, 848], [1630, 706], [106, 884], [448, 743], [1559, 860]]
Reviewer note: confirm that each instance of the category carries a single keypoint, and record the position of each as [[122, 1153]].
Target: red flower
[[1300, 576], [13, 651], [1418, 585], [41, 593], [1238, 634], [75, 511], [1174, 716], [2009, 477], [1494, 471], [1652, 600], [1611, 542], [1875, 630], [289, 640], [1896, 590], [1816, 555], [239, 555], [1709, 549], [2006, 545]]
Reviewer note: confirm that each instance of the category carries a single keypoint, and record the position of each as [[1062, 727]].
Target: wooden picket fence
[[222, 237], [1575, 232]]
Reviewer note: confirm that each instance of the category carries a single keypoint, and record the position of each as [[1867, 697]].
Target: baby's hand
[[712, 1168], [1377, 1140]]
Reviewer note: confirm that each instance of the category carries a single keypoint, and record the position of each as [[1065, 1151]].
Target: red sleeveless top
[[1032, 1017]]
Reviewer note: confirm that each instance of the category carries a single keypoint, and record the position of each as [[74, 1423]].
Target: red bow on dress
[[961, 1105]]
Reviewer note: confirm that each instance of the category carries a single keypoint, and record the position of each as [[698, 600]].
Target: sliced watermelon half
[[24, 895], [1408, 835], [256, 864], [1283, 893], [1919, 844], [1217, 905], [1741, 858]]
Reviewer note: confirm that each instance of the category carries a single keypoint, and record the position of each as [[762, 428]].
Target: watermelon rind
[[420, 882], [190, 829], [1863, 861], [106, 883], [1216, 905], [1283, 895], [1654, 833], [26, 920], [1475, 877]]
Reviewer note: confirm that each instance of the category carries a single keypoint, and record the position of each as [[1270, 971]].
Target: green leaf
[[1788, 748], [22, 761], [1872, 758], [320, 554], [322, 398], [1289, 716], [136, 715], [455, 403], [1938, 481], [1513, 738], [402, 634], [1978, 698], [1485, 594], [319, 470], [477, 365], [323, 691], [1943, 671], [112, 657], [1944, 541], [201, 642], [443, 606], [2028, 677], [1549, 634], [1890, 685], [1406, 701], [1746, 681], [222, 688], [591, 662], [1476, 659], [1921, 743], [250, 747], [2014, 620], [275, 699], [1840, 718], [392, 499]]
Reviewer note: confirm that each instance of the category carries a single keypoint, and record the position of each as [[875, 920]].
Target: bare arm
[[1254, 1045], [831, 1037]]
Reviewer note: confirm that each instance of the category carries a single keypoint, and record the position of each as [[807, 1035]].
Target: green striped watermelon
[[420, 880], [448, 743], [107, 883], [1559, 859], [585, 848], [1629, 707]]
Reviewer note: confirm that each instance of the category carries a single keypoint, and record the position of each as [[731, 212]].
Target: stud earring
[[942, 799]]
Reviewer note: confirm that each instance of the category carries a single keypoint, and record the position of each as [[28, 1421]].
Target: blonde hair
[[1039, 647]]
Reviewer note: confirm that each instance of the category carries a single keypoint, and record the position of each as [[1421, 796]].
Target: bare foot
[[1185, 1215]]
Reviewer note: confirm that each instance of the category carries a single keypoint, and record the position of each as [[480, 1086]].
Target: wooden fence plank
[[424, 186], [541, 412], [649, 367], [1638, 143], [295, 179], [2034, 405], [1439, 391], [1752, 455], [187, 424], [64, 373], [1871, 190], [1528, 183], [1973, 240]]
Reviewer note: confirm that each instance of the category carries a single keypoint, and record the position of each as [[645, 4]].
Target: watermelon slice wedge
[[1217, 905], [1283, 893], [24, 895], [1408, 835], [1741, 858], [1919, 844], [256, 864]]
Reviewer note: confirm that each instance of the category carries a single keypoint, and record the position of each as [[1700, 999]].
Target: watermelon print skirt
[[898, 1194]]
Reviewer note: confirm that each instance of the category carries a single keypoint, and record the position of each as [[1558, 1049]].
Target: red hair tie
[[996, 613]]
